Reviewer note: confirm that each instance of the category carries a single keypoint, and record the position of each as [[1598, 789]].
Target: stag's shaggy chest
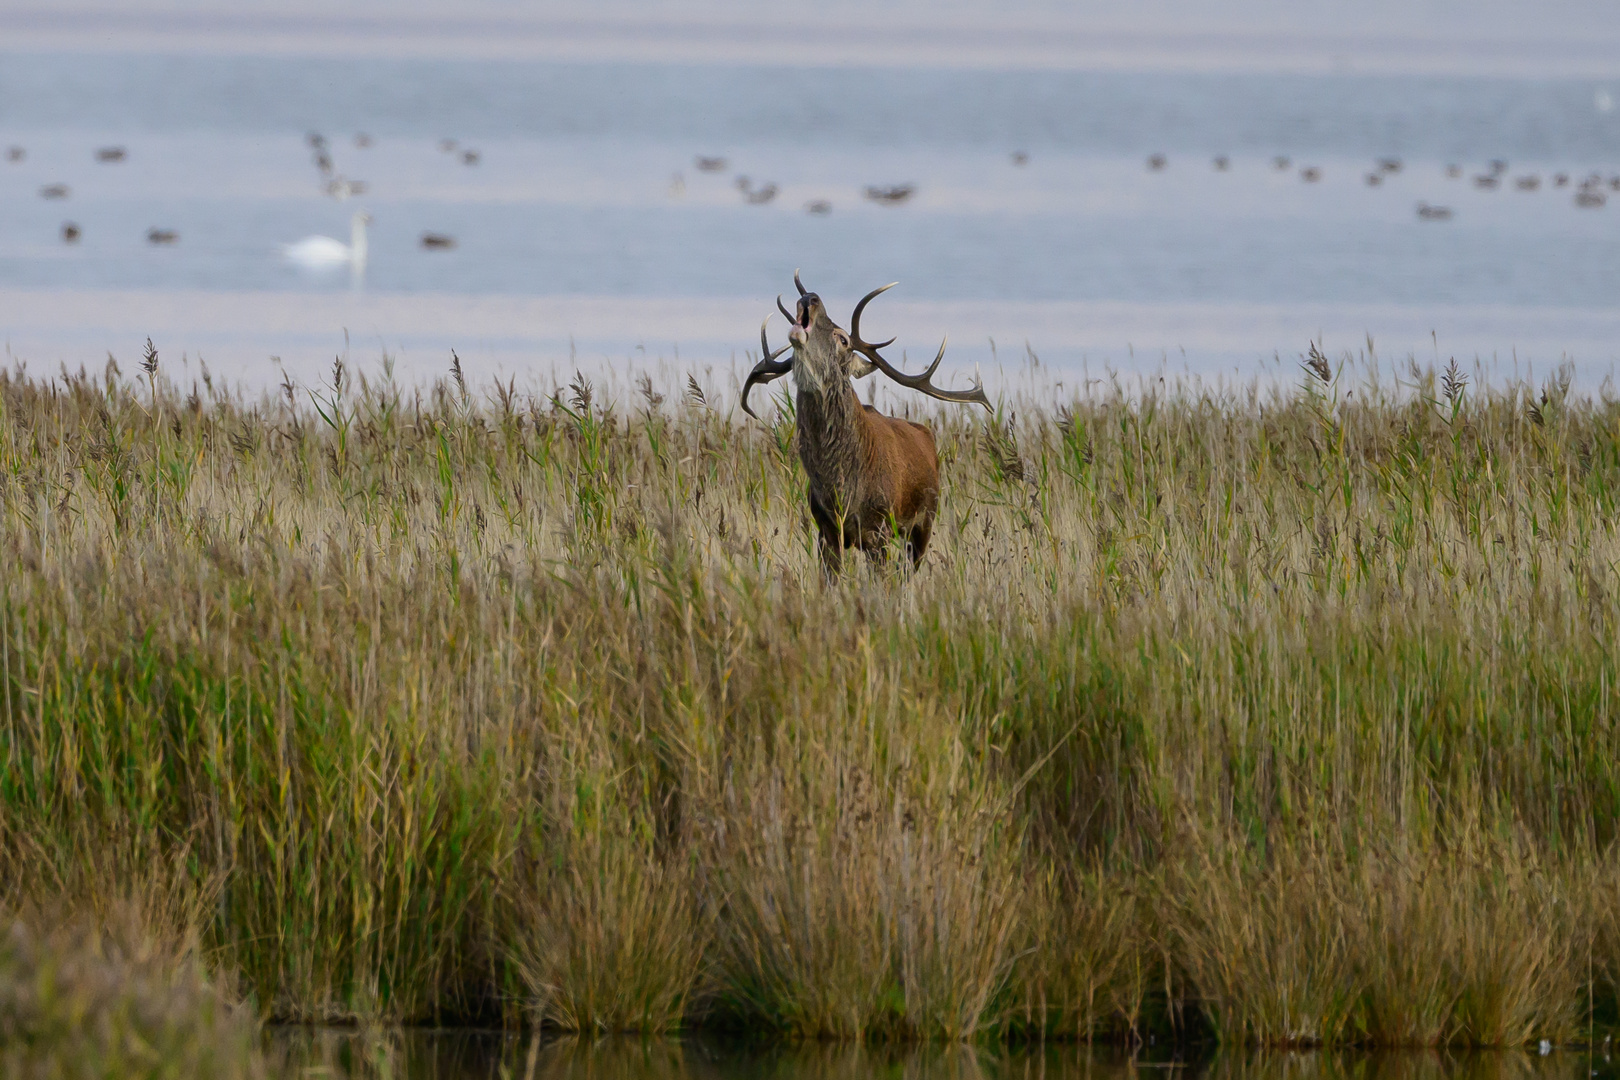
[[829, 441]]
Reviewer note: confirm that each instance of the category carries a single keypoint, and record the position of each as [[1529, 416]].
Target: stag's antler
[[768, 368], [921, 382], [803, 292]]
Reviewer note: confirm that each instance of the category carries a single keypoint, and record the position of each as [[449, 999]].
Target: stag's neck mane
[[832, 442]]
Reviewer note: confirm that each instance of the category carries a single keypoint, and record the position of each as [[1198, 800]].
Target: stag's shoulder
[[910, 427], [903, 432], [921, 431]]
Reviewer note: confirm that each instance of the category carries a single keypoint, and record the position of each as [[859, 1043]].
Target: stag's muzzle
[[804, 315]]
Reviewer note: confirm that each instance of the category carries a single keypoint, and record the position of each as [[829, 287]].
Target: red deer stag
[[871, 475]]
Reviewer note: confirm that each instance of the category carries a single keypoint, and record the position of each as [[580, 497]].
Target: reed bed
[[115, 996], [1279, 716]]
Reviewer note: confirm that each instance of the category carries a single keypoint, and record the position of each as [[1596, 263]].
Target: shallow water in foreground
[[464, 1055]]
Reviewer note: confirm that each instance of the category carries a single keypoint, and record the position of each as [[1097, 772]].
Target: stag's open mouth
[[803, 315]]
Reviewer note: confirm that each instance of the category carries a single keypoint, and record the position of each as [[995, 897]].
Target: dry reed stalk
[[1267, 948], [1081, 971], [1518, 965], [1410, 923], [850, 910], [805, 925], [610, 941], [605, 930]]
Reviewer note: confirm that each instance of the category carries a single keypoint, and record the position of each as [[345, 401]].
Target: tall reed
[[1283, 714]]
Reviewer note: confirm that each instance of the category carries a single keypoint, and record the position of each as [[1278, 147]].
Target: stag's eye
[[843, 342]]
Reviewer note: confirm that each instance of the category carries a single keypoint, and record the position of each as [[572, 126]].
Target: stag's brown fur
[[872, 477]]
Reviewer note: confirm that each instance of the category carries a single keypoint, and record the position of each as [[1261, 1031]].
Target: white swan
[[321, 252]]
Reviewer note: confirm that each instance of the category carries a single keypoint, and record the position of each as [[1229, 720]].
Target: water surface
[[585, 187], [455, 1055]]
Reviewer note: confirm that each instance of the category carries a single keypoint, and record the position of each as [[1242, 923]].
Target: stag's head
[[825, 356]]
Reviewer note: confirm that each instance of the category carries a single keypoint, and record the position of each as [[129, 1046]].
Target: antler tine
[[768, 369], [802, 290], [923, 382], [783, 310], [855, 320]]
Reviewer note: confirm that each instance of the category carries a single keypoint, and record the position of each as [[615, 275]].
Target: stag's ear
[[859, 366]]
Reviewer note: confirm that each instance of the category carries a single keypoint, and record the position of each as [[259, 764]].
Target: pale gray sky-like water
[[586, 236]]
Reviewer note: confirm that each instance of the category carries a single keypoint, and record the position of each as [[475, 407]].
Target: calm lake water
[[476, 1056], [584, 226]]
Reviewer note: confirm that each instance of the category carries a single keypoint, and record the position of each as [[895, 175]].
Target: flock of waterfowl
[[1589, 192], [317, 251], [312, 251], [889, 194], [71, 232]]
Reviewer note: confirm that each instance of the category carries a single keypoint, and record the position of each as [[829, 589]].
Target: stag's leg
[[877, 536], [917, 543], [830, 538], [875, 542], [832, 555]]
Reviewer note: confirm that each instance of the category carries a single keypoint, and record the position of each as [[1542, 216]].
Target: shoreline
[[507, 336], [1009, 43]]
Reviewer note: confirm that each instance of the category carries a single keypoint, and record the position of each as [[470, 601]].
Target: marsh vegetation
[[1277, 717]]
